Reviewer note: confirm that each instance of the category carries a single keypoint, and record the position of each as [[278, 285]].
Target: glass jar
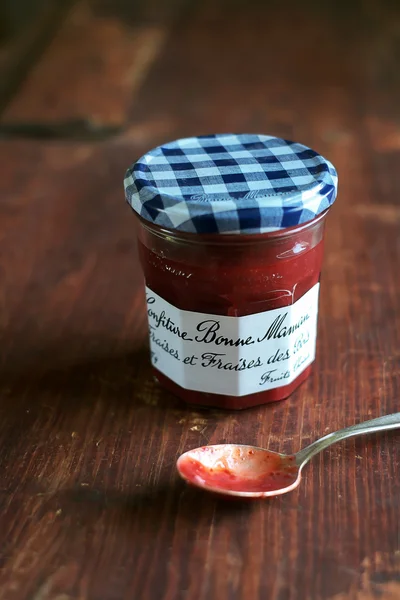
[[233, 312]]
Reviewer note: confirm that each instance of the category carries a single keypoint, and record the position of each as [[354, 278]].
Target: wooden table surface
[[90, 504]]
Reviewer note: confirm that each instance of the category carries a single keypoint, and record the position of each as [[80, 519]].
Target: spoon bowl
[[251, 472], [238, 470]]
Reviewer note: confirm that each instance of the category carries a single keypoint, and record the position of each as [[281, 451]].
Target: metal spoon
[[248, 471]]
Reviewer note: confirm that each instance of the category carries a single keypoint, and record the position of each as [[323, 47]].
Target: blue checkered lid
[[230, 184]]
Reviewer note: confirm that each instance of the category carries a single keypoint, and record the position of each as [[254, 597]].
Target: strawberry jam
[[230, 234]]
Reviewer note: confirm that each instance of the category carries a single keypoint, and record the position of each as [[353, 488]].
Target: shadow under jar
[[230, 232]]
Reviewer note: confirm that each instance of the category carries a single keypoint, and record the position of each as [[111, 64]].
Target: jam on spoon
[[248, 471]]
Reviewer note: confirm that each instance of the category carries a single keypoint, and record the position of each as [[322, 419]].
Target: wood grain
[[25, 30], [90, 504], [90, 70]]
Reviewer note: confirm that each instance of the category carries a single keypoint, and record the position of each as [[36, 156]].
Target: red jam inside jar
[[210, 274], [235, 276]]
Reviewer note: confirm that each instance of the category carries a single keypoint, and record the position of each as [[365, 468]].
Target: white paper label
[[234, 356]]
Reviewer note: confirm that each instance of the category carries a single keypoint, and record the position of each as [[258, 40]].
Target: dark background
[[91, 507]]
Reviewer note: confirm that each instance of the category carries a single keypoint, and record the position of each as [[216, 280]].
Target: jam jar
[[230, 231]]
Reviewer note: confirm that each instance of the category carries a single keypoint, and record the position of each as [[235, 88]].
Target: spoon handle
[[379, 424]]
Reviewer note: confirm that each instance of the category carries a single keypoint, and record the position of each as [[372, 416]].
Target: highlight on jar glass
[[230, 233]]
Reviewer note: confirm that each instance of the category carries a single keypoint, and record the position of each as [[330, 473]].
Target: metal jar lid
[[230, 184]]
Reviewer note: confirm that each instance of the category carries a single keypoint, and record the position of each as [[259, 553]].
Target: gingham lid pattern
[[230, 184]]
